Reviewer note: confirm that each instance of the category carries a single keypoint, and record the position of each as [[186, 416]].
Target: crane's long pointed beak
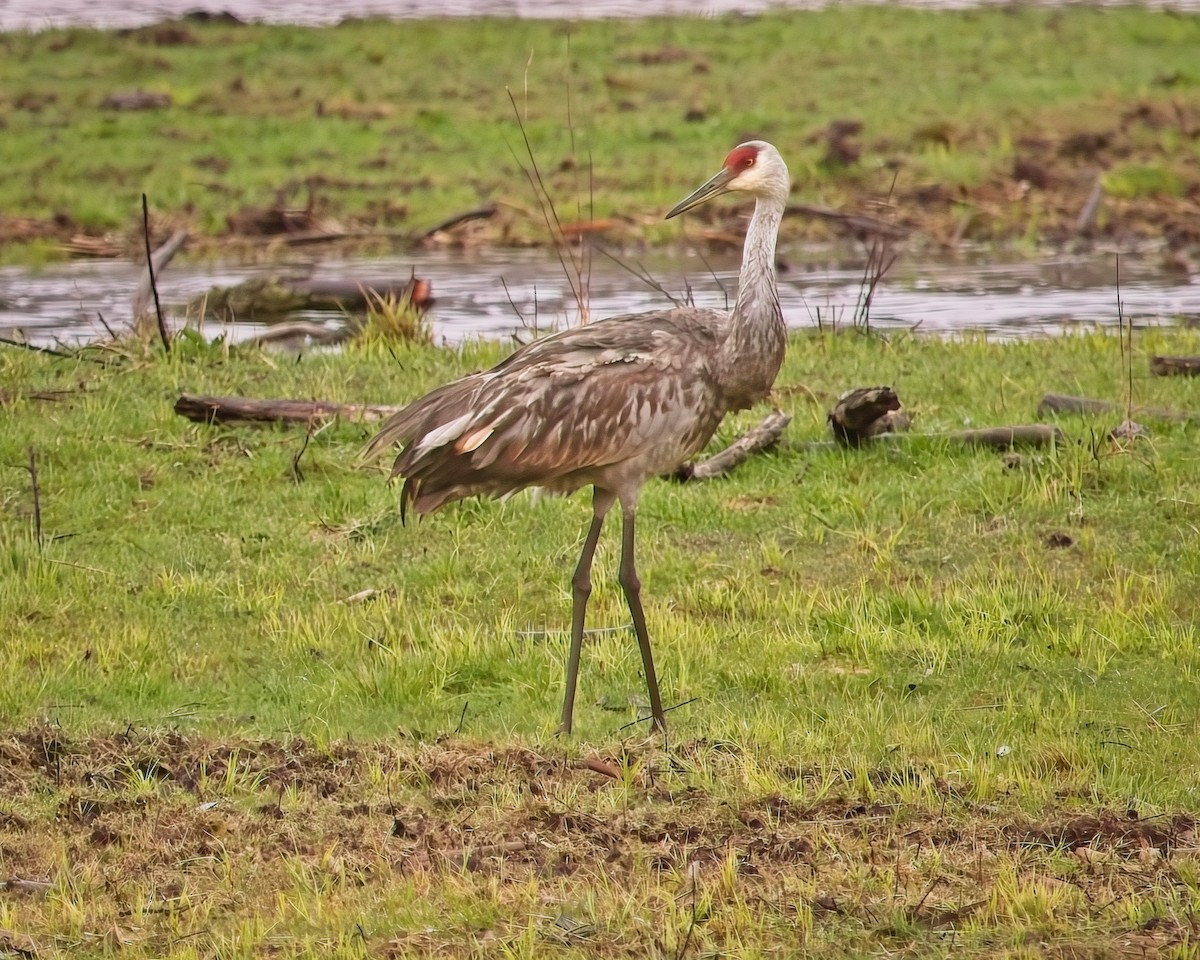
[[713, 188]]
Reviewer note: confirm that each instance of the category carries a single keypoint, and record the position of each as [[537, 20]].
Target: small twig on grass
[[1126, 345], [462, 717], [162, 326], [634, 723], [297, 473], [37, 498], [48, 351], [687, 940], [104, 324]]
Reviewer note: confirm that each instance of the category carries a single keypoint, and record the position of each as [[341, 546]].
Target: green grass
[[879, 645], [846, 605], [398, 125]]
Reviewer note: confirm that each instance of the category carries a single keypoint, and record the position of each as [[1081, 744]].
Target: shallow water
[[63, 303]]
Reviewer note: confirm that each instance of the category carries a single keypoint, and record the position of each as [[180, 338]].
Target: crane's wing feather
[[587, 397]]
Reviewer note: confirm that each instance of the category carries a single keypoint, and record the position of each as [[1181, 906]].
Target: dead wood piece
[[204, 409], [601, 766], [265, 297], [136, 100], [15, 885], [299, 330], [12, 942], [1000, 438], [763, 437], [1060, 403], [468, 855], [1175, 366], [854, 417], [479, 213], [1005, 438]]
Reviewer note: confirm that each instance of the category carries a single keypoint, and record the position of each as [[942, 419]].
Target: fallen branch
[[16, 885], [1175, 366], [760, 438], [999, 438], [261, 297], [1005, 438], [48, 351], [204, 409], [479, 213], [318, 333], [1059, 403]]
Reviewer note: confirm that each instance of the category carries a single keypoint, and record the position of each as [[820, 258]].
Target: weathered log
[[1000, 438], [1175, 366], [204, 409], [264, 297], [300, 330], [1059, 403], [1005, 438], [136, 100], [479, 213], [856, 416], [762, 437]]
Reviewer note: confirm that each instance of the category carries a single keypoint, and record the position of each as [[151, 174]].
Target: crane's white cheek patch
[[473, 441]]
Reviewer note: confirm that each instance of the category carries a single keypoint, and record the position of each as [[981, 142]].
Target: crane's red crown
[[741, 158]]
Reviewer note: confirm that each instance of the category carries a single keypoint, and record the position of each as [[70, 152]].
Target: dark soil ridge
[[459, 804]]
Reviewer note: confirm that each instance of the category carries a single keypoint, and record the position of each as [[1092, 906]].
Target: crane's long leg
[[581, 589], [633, 596]]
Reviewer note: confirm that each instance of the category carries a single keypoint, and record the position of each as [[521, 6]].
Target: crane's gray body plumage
[[610, 404]]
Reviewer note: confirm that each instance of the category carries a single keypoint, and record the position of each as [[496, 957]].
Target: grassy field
[[987, 124], [934, 701]]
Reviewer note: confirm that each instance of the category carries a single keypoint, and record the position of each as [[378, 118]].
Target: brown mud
[[177, 820]]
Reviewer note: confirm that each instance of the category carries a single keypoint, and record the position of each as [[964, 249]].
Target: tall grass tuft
[[393, 318]]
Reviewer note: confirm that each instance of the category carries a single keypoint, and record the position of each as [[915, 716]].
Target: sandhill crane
[[611, 403]]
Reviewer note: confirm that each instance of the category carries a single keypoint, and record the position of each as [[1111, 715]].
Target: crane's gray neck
[[756, 286], [752, 352]]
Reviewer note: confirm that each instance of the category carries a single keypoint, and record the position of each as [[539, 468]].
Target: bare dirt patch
[[179, 832]]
